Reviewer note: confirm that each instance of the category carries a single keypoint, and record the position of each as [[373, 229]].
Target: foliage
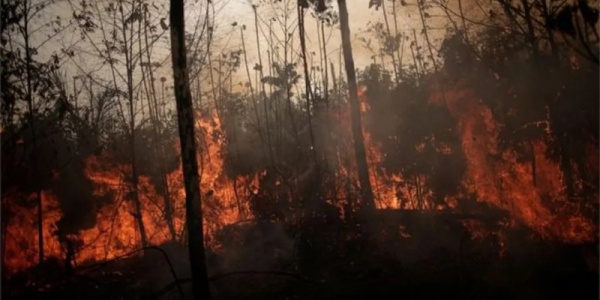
[[540, 85]]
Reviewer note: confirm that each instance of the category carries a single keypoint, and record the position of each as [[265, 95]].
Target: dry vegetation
[[461, 163]]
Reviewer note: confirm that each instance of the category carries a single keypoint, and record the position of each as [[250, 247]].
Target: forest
[[270, 149]]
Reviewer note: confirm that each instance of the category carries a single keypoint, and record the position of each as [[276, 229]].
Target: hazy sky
[[361, 17], [359, 14], [227, 37]]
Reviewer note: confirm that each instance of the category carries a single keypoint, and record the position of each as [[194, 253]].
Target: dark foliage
[[305, 239]]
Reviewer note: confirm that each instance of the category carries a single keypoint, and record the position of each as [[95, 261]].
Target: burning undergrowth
[[453, 166], [492, 175]]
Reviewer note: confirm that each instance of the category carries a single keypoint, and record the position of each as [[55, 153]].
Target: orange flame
[[496, 177], [116, 231], [500, 179]]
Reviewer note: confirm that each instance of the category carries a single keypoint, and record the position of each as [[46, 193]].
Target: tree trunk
[[307, 87], [29, 99], [391, 53], [530, 29], [533, 164], [153, 107], [262, 91], [134, 168], [185, 120], [359, 146], [325, 68], [129, 64]]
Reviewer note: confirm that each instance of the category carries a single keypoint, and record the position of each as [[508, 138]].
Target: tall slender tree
[[359, 143], [27, 8], [307, 86], [185, 120], [21, 79]]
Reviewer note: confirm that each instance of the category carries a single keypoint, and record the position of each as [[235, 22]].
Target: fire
[[22, 231], [116, 233], [494, 176], [391, 190], [500, 179]]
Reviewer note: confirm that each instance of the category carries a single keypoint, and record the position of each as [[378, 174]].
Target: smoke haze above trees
[[479, 121]]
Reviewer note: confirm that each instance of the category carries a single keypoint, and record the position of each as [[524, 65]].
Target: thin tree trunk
[[359, 146], [530, 29], [415, 62], [464, 23], [425, 31], [288, 43], [320, 44], [326, 80], [307, 87], [533, 164], [418, 54], [134, 171], [334, 81], [213, 88], [29, 98], [155, 118], [549, 33], [400, 49], [262, 93], [389, 32], [270, 58], [253, 96], [185, 120]]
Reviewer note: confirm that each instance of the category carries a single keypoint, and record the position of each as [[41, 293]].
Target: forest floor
[[269, 270]]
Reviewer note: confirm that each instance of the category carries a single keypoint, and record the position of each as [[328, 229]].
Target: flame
[[499, 178], [116, 231], [22, 231], [495, 176], [390, 189]]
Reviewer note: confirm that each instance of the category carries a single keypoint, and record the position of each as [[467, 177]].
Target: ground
[[382, 267]]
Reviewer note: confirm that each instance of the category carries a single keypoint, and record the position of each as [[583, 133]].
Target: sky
[[227, 37], [360, 17]]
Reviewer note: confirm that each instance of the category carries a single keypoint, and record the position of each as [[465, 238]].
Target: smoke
[[255, 246], [78, 205]]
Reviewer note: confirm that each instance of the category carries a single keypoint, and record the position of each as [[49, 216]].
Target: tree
[[359, 144], [124, 25], [26, 78], [185, 119]]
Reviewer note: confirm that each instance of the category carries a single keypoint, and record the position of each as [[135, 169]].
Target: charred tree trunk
[[154, 109], [29, 99], [566, 166], [530, 29], [325, 68], [185, 120], [550, 35], [391, 52], [134, 175], [533, 164], [359, 145], [399, 48], [253, 96], [307, 86], [134, 171], [262, 94]]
